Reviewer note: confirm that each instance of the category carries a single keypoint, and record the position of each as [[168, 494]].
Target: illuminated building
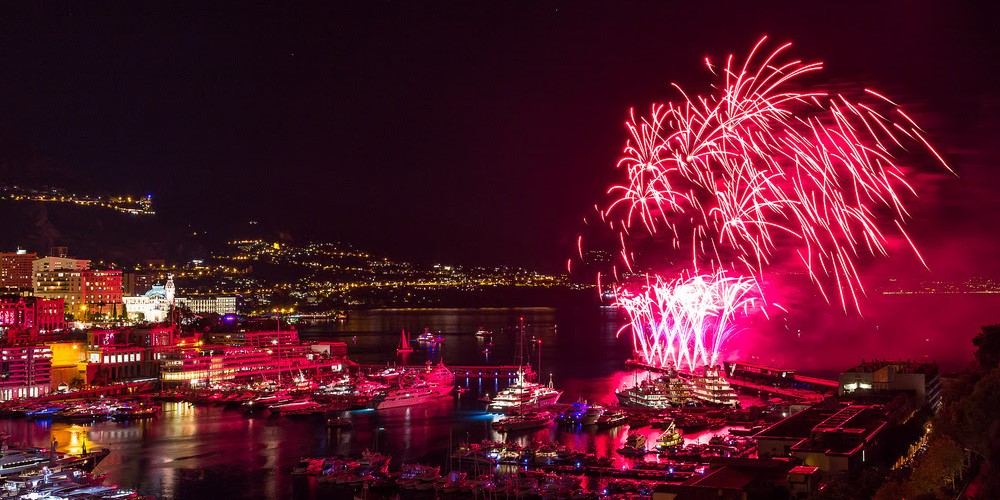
[[204, 364], [25, 372], [221, 305], [60, 278], [68, 362], [119, 363], [153, 306], [101, 292], [24, 319], [15, 270], [922, 379], [83, 290]]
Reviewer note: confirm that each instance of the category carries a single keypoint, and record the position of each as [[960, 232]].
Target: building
[[16, 271], [922, 379], [60, 278], [220, 305], [835, 437], [24, 319], [120, 363], [69, 363], [206, 364], [153, 306], [201, 364], [135, 283], [25, 372], [101, 292]]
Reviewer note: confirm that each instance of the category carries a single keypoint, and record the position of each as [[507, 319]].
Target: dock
[[461, 371]]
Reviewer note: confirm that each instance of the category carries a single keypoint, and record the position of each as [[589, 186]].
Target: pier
[[460, 371]]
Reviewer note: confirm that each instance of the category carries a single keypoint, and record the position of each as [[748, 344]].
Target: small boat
[[482, 332], [611, 419], [670, 437], [485, 398], [404, 344], [635, 446]]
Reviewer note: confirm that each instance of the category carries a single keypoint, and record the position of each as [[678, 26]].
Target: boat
[[710, 387], [611, 419], [438, 374], [427, 337], [593, 413], [135, 412], [521, 422], [523, 393], [693, 423], [404, 344], [665, 392], [415, 395], [412, 476], [482, 332], [297, 406], [670, 437], [635, 446]]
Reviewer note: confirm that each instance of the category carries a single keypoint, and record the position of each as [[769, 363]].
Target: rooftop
[[900, 366]]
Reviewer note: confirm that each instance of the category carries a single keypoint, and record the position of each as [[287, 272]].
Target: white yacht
[[409, 396], [523, 395], [711, 388]]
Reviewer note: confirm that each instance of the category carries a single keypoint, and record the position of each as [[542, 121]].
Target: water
[[209, 452]]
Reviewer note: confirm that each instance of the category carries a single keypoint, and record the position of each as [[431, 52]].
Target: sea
[[212, 452]]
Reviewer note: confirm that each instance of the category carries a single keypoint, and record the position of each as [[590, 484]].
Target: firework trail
[[685, 322], [760, 170]]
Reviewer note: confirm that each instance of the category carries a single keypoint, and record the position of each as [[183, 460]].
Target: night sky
[[467, 132]]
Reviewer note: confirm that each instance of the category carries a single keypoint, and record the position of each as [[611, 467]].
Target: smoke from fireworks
[[764, 170]]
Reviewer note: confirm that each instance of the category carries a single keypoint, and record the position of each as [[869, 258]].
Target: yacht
[[438, 374], [409, 396], [18, 461], [711, 388], [427, 337], [635, 446], [669, 390], [532, 420], [298, 406], [523, 394], [670, 437]]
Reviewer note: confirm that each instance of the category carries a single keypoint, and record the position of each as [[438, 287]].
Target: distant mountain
[[96, 233]]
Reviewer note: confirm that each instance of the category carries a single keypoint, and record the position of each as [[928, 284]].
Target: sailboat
[[404, 344]]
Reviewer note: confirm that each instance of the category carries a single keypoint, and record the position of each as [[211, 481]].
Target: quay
[[460, 371], [113, 390]]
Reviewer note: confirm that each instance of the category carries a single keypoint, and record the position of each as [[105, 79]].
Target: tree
[[987, 344], [893, 490]]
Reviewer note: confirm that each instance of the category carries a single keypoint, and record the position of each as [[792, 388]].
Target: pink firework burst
[[685, 322], [761, 168]]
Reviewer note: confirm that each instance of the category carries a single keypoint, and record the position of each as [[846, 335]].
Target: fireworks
[[762, 170], [685, 322]]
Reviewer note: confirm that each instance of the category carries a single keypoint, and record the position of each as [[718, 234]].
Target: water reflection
[[209, 452]]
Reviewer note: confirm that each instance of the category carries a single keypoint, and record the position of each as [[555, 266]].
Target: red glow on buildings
[[24, 319]]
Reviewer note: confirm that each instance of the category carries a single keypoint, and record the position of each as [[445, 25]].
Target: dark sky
[[470, 132]]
